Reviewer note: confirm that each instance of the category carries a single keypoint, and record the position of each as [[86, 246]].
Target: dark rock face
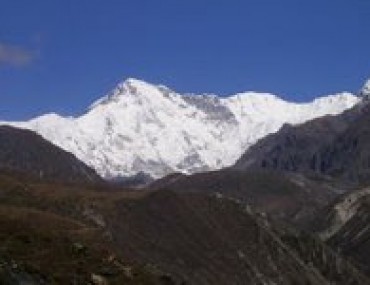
[[26, 152], [349, 155], [335, 146], [212, 106]]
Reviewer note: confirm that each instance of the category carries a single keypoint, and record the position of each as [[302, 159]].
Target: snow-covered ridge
[[365, 91], [140, 127]]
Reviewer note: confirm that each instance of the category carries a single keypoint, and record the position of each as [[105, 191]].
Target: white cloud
[[15, 55]]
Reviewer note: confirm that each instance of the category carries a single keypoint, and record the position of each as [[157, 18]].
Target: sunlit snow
[[140, 127]]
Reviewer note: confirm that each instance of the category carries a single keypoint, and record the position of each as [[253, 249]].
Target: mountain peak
[[365, 91], [135, 83], [131, 87], [143, 127]]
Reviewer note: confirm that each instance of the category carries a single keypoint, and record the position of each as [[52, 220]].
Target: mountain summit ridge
[[130, 86], [365, 91], [141, 127]]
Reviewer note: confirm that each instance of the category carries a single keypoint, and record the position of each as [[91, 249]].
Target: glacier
[[146, 128]]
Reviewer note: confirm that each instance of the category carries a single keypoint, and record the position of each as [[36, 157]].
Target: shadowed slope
[[335, 146], [211, 240], [292, 198], [56, 233], [26, 152]]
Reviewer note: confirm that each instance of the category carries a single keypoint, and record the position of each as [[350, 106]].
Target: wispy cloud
[[15, 55]]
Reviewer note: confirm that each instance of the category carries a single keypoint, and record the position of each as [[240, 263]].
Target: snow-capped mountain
[[140, 127], [365, 91]]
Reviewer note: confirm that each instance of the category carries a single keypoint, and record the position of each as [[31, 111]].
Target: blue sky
[[60, 55]]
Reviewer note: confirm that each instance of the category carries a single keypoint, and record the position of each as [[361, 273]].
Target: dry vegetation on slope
[[49, 235], [55, 234]]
